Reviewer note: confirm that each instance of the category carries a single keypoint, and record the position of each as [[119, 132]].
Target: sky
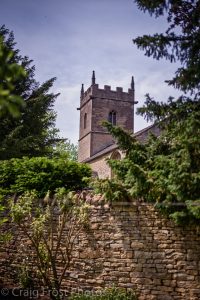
[[68, 39]]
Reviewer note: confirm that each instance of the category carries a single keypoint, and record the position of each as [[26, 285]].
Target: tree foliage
[[166, 169], [9, 74], [66, 149], [180, 42], [41, 174], [33, 133], [10, 103]]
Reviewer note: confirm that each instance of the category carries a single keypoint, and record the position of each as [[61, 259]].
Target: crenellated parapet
[[107, 93]]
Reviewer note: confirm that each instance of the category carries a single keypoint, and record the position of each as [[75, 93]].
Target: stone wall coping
[[99, 199]]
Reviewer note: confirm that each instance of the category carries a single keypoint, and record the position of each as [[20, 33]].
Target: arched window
[[117, 156], [112, 117], [85, 121]]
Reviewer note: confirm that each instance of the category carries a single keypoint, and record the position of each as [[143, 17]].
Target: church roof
[[141, 135]]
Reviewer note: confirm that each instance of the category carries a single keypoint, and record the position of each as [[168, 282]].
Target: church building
[[98, 105]]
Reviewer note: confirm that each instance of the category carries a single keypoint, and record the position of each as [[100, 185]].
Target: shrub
[[41, 174], [50, 229]]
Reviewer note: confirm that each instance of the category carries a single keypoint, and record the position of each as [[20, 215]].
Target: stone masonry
[[131, 245], [95, 106]]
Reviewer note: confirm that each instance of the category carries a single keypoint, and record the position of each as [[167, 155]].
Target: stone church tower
[[97, 105]]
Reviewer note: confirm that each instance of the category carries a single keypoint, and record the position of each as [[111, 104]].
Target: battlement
[[107, 93]]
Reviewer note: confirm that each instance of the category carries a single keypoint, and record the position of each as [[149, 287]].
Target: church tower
[[97, 105]]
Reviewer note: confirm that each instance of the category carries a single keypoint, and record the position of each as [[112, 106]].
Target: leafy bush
[[107, 294], [41, 174]]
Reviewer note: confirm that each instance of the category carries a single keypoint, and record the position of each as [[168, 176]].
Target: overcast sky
[[68, 39]]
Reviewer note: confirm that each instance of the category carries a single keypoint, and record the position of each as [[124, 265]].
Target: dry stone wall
[[131, 245]]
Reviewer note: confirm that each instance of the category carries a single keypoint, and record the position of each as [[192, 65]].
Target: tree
[[51, 228], [179, 43], [10, 103], [66, 149], [166, 169], [33, 133], [9, 74]]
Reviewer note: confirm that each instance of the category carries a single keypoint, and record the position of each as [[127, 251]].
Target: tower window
[[112, 117], [85, 121]]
